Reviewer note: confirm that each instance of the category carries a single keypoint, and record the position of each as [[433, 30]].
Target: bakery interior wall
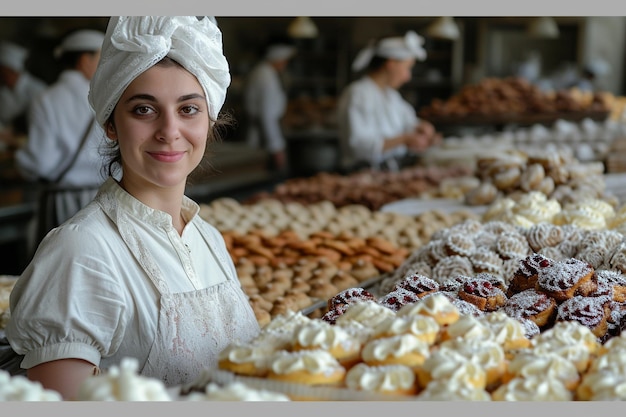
[[489, 46]]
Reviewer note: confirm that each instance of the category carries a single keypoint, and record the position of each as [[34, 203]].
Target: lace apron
[[194, 326]]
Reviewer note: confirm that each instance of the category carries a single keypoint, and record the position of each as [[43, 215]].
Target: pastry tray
[[294, 391]]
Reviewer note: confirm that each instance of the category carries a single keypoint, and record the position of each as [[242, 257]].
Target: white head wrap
[[279, 52], [397, 47], [12, 56], [133, 44], [81, 40]]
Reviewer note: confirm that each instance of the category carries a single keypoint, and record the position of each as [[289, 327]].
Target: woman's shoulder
[[88, 228]]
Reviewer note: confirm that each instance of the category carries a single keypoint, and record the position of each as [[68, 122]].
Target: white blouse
[[84, 295]]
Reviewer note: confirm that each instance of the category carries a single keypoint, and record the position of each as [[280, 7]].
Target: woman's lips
[[167, 156]]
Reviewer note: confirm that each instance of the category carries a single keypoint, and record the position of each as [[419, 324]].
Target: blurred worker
[[378, 128], [17, 89], [265, 102], [63, 145]]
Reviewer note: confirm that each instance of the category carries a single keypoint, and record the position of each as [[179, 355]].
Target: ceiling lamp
[[444, 28], [302, 27], [543, 27]]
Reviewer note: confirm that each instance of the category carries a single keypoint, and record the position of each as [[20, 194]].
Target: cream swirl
[[314, 361], [450, 365], [538, 210], [367, 312], [432, 305], [394, 347], [487, 353], [601, 385], [468, 327], [445, 391], [287, 322], [616, 343], [319, 334], [550, 365], [537, 388], [497, 209], [123, 383], [505, 329], [380, 378], [582, 216], [425, 328], [567, 334], [614, 359], [241, 352]]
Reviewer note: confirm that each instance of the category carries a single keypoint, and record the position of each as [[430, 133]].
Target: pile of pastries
[[291, 255], [525, 210], [427, 349], [284, 272], [496, 247], [513, 95], [558, 175], [272, 217], [371, 188]]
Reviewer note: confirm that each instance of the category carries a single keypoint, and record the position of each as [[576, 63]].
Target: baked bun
[[483, 294], [563, 279], [532, 305]]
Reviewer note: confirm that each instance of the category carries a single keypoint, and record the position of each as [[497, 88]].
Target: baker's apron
[[194, 326]]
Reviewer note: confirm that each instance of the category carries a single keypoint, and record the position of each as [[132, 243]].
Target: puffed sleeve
[[68, 302]]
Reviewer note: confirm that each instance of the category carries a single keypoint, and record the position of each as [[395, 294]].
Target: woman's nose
[[168, 128]]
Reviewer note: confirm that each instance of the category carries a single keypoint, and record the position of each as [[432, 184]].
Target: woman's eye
[[190, 110], [143, 110]]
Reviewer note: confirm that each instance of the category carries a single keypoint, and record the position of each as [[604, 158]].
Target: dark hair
[[111, 151], [376, 62]]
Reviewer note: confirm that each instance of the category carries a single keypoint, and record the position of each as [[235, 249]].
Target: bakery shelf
[[514, 118]]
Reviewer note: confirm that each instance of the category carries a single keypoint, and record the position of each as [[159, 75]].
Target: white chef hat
[[396, 47], [12, 56], [279, 52], [81, 40], [133, 44]]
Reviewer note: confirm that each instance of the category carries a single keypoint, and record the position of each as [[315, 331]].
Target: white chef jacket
[[57, 121], [265, 102], [367, 115], [85, 294], [14, 102]]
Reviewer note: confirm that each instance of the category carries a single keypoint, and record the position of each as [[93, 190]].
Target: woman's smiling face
[[161, 124]]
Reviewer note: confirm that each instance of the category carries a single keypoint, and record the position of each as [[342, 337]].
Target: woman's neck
[[168, 200]]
